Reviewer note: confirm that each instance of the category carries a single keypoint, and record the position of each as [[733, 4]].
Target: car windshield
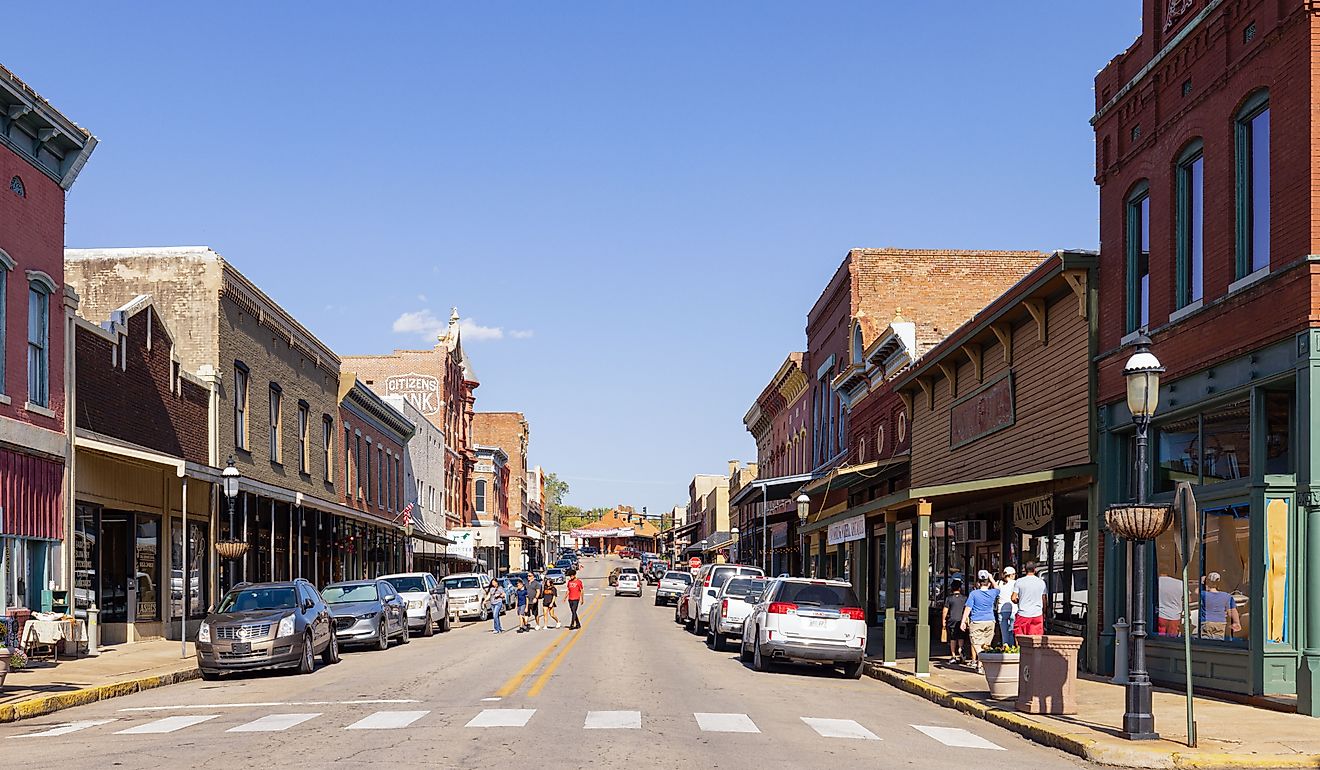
[[680, 576], [257, 599], [628, 578], [817, 595], [408, 584], [461, 582], [743, 586], [630, 570], [554, 573], [358, 592]]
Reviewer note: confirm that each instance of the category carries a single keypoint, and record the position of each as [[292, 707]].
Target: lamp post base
[[1138, 721]]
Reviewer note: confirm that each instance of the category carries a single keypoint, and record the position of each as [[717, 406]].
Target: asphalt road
[[631, 689]]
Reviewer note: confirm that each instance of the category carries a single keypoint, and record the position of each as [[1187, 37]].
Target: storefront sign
[[1030, 515], [421, 390], [982, 413], [847, 530]]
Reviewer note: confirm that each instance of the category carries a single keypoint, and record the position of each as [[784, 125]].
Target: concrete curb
[[48, 704], [1098, 751]]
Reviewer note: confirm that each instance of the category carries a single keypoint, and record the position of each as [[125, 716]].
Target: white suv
[[467, 595], [732, 606], [694, 606], [425, 599], [629, 583], [803, 620]]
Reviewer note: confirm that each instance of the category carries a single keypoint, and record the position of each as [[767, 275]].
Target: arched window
[[1138, 257], [40, 287], [481, 496], [1252, 133], [857, 343]]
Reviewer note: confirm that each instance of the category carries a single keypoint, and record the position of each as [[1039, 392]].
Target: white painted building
[[424, 485]]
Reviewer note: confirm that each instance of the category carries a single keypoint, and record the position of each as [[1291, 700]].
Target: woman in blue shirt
[[979, 615]]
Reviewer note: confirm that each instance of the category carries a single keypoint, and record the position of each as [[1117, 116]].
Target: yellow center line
[[514, 682], [541, 680]]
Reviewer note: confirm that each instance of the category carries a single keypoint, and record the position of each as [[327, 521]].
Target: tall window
[[381, 473], [6, 264], [1191, 219], [1253, 185], [1138, 258], [39, 343], [304, 429], [240, 406], [275, 395], [367, 475], [327, 439], [481, 496]]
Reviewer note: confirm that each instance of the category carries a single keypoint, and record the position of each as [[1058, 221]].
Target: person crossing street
[[574, 591], [548, 595]]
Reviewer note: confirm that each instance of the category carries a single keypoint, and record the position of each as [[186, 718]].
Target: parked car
[[732, 605], [802, 620], [367, 612], [589, 550], [556, 575], [701, 595], [672, 585], [267, 625], [467, 595], [629, 583], [426, 600]]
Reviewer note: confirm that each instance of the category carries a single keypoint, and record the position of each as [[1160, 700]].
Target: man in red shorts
[[1029, 596]]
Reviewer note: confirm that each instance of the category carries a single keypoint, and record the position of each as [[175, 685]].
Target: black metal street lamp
[[1140, 522], [231, 549], [803, 510], [476, 542]]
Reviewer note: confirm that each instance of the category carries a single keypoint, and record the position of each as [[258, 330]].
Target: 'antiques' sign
[[421, 390], [984, 412], [1034, 513], [847, 530]]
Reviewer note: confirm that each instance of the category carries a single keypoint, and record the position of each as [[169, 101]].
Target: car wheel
[[382, 636], [853, 670], [696, 626], [331, 654], [428, 625], [717, 641], [677, 619], [445, 623], [710, 636], [743, 655], [657, 600], [758, 662], [485, 615], [210, 676], [405, 635], [308, 660]]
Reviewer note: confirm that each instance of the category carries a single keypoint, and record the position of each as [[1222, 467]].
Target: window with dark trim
[[327, 439], [481, 496], [367, 475], [1138, 258], [38, 343], [276, 395], [6, 264], [240, 405], [1252, 139], [1191, 224], [304, 435]]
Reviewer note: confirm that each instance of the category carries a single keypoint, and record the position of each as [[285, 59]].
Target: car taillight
[[706, 582], [781, 608], [724, 608], [853, 612]]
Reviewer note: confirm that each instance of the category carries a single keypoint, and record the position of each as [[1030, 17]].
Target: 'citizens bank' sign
[[421, 390]]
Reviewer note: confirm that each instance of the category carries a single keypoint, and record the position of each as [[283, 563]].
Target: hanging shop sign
[[987, 410], [847, 530], [1032, 514], [619, 532]]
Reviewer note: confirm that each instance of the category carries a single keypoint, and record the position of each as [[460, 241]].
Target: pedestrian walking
[[534, 602], [1029, 595], [496, 596], [1007, 608], [520, 591], [574, 591], [548, 595], [951, 620], [978, 618]]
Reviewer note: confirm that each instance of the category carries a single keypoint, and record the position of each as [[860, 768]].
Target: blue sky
[[632, 204]]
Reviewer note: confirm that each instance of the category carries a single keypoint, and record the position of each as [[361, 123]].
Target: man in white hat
[[1007, 609]]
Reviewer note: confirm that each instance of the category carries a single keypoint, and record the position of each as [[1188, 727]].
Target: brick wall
[[140, 400], [508, 431], [368, 444]]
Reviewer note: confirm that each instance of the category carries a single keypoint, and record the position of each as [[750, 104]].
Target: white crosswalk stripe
[[272, 723], [387, 720], [167, 725], [613, 720], [66, 728], [839, 728], [957, 737], [502, 718], [726, 723]]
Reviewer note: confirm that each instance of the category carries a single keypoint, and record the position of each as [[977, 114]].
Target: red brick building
[[41, 153], [510, 432], [1206, 141], [370, 479]]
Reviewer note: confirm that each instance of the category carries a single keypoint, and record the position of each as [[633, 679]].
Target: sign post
[[1188, 542]]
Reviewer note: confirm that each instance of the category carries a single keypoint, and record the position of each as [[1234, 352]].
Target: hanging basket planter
[[231, 549], [1138, 521]]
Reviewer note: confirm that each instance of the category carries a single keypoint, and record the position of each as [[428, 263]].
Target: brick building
[[143, 483], [490, 505], [440, 383], [370, 480], [41, 153], [424, 487], [510, 432], [1205, 142], [708, 513]]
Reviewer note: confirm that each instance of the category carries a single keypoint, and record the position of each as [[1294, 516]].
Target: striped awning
[[30, 492]]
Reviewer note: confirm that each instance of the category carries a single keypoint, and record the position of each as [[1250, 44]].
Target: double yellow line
[[514, 682]]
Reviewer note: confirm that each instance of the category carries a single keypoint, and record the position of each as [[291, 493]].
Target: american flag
[[407, 514]]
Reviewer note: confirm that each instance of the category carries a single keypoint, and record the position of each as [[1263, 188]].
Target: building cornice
[[245, 293], [67, 145]]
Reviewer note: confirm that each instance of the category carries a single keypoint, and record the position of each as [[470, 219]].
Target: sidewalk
[[1230, 735], [45, 687]]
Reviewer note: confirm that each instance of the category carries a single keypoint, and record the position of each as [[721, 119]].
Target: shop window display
[[1219, 574]]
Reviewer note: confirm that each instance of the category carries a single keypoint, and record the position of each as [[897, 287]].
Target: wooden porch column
[[891, 588], [921, 588]]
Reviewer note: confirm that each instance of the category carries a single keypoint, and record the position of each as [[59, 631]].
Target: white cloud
[[421, 298], [421, 323], [521, 334], [474, 331]]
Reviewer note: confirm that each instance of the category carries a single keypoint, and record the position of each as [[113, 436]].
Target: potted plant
[[1000, 663]]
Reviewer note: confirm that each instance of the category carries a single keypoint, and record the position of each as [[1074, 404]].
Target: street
[[632, 689]]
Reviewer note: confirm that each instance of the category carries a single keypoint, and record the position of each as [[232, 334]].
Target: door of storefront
[[129, 559]]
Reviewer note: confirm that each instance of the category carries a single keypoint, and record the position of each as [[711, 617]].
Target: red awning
[[30, 495]]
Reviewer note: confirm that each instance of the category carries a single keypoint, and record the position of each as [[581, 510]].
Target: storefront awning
[[684, 529], [848, 475], [768, 490]]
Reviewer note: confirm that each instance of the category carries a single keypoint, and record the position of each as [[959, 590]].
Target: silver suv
[[267, 625], [694, 606]]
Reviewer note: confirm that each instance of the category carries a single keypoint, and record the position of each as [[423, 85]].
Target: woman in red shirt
[[574, 589]]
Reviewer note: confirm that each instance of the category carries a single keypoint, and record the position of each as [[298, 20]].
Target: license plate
[[241, 648], [815, 624]]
